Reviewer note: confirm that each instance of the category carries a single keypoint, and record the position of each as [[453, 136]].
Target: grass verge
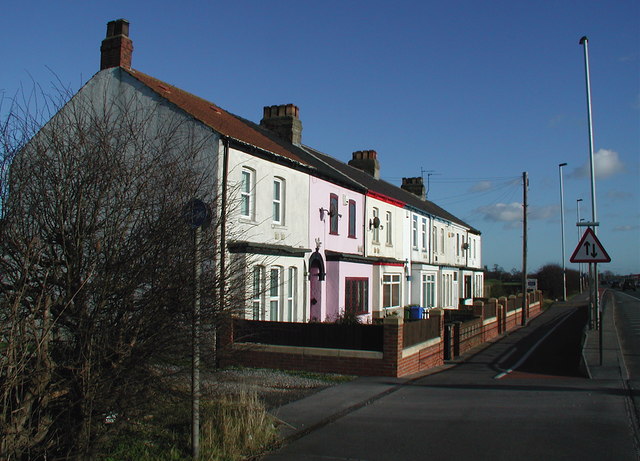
[[232, 427]]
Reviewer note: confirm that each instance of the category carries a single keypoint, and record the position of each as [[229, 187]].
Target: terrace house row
[[319, 238]]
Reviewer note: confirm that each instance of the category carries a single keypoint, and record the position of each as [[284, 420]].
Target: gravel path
[[274, 387]]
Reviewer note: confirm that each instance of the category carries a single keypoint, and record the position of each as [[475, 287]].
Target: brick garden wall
[[493, 318]]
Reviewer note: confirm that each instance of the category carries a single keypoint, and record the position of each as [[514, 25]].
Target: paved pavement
[[306, 416], [604, 362]]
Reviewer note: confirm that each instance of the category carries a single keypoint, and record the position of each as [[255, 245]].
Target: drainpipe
[[429, 239], [365, 236], [223, 235]]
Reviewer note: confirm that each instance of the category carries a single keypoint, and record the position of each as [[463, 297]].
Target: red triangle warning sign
[[589, 250]]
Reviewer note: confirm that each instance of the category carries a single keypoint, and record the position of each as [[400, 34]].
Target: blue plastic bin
[[415, 312]]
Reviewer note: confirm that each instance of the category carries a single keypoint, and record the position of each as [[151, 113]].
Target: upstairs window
[[414, 231], [376, 228], [247, 197], [424, 234], [333, 214], [278, 201], [352, 218], [434, 239], [442, 245], [388, 227]]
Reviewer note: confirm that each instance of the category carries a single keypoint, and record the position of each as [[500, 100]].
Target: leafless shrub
[[96, 265]]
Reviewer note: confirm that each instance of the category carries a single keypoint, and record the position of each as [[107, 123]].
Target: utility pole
[[525, 185]]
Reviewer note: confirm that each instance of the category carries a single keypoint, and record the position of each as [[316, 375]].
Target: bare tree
[[96, 264]]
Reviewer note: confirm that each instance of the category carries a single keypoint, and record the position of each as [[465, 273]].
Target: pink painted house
[[339, 276]]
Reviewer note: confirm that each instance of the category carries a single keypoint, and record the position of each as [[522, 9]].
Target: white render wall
[[380, 248], [294, 230]]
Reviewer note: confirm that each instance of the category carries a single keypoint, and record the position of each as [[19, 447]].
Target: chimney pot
[[415, 186], [367, 161], [283, 120], [117, 47]]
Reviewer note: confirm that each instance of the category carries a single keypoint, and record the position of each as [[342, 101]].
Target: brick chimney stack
[[283, 120], [117, 47], [415, 186], [367, 161]]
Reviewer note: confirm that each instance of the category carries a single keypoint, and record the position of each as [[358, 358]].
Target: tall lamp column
[[564, 269]]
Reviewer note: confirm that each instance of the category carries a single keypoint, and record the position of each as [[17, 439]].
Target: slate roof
[[390, 190], [213, 116], [252, 134]]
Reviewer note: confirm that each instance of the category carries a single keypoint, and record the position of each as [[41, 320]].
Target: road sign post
[[590, 250]]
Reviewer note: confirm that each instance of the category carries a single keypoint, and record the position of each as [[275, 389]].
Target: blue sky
[[472, 93]]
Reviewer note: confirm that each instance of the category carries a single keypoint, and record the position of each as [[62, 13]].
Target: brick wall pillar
[[393, 344], [503, 302], [478, 309], [499, 316]]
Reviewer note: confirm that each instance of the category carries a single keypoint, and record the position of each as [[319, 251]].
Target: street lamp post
[[578, 221], [564, 269], [593, 267]]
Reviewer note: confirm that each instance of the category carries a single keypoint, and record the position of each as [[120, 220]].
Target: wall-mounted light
[[375, 223]]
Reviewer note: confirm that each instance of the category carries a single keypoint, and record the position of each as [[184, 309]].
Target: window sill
[[246, 220]]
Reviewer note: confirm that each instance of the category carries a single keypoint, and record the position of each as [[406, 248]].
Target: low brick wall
[[508, 316], [493, 318]]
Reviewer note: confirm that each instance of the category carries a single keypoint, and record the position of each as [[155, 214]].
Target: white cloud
[[607, 163], [544, 212], [512, 212], [481, 186], [625, 228], [504, 212]]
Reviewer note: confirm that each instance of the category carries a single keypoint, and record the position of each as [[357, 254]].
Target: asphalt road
[[627, 318], [626, 306], [540, 408]]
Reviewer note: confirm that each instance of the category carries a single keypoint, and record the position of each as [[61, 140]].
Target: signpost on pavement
[[590, 250], [196, 215]]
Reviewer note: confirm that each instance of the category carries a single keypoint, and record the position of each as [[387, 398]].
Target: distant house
[[333, 239]]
